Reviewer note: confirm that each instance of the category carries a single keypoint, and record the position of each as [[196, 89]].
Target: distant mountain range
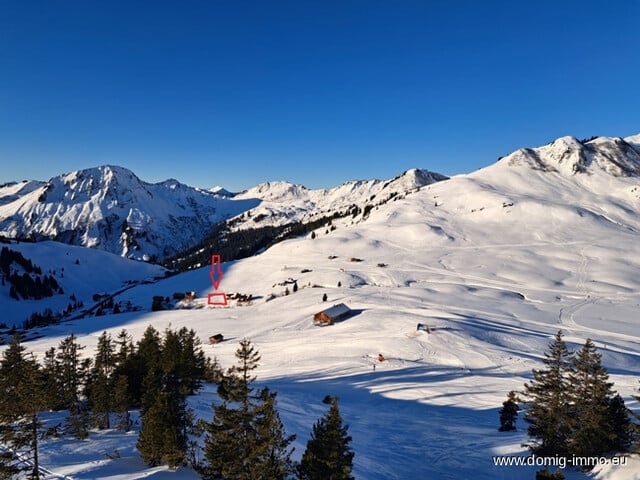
[[110, 208]]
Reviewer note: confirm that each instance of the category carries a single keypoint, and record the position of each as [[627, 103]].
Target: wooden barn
[[213, 339], [331, 315]]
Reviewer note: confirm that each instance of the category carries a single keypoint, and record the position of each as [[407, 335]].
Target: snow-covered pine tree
[[548, 413], [328, 455]]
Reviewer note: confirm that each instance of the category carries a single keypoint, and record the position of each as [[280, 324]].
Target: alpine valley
[[494, 262]]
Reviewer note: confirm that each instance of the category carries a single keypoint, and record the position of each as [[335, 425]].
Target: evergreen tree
[[105, 358], [151, 388], [328, 455], [591, 392], [163, 434], [192, 361], [125, 348], [101, 400], [121, 403], [547, 475], [102, 387], [71, 372], [509, 413], [619, 417], [22, 384], [141, 363], [245, 439], [77, 423], [52, 374], [548, 412], [275, 459]]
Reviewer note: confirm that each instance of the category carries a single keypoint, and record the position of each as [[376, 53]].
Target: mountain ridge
[[110, 208]]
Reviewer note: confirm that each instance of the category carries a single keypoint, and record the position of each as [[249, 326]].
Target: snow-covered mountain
[[616, 156], [111, 209], [284, 202], [495, 262]]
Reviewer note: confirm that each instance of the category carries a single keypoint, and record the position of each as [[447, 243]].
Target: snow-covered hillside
[[111, 209], [284, 202], [495, 262], [81, 272]]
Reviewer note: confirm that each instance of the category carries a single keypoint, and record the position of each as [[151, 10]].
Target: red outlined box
[[222, 299]]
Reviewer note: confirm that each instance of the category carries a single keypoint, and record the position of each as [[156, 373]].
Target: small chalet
[[331, 315], [213, 339]]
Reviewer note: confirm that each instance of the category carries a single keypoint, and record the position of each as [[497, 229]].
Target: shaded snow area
[[494, 262], [80, 272]]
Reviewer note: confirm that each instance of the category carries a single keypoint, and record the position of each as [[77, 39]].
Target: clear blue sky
[[315, 92]]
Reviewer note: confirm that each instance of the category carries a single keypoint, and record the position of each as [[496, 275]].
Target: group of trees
[[245, 438], [29, 284], [98, 392], [571, 407]]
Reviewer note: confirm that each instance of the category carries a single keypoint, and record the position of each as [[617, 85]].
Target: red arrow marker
[[216, 271]]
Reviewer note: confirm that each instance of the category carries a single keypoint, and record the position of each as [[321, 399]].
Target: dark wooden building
[[331, 315]]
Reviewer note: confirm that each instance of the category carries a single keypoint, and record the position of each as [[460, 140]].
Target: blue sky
[[234, 93]]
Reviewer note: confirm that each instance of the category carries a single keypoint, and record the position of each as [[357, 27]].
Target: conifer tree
[[546, 474], [77, 423], [591, 393], [71, 371], [52, 373], [125, 347], [140, 363], [101, 400], [619, 417], [328, 455], [548, 411], [245, 439], [275, 459], [163, 434], [101, 389], [121, 403], [509, 413], [192, 361], [22, 385]]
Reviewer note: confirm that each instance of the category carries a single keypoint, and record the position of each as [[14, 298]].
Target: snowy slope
[[495, 262], [111, 209], [81, 273]]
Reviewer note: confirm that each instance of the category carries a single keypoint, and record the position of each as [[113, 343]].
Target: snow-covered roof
[[336, 311]]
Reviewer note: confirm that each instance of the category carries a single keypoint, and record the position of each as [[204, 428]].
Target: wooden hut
[[217, 338], [331, 315]]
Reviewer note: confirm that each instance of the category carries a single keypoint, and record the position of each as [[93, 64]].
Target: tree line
[[31, 283], [571, 408], [245, 438]]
